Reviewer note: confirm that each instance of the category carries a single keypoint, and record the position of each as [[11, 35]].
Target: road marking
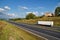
[[40, 33], [31, 32], [37, 32]]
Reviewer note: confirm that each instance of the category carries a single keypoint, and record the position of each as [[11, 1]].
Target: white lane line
[[26, 29], [32, 33], [40, 33]]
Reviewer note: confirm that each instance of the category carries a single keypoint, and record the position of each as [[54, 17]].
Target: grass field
[[11, 32], [56, 20]]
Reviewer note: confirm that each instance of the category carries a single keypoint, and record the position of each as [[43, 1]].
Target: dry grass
[[11, 32], [56, 20]]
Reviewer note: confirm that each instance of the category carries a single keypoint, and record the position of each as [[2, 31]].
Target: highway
[[50, 35]]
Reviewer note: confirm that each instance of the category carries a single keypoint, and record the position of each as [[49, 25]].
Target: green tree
[[57, 11], [30, 16]]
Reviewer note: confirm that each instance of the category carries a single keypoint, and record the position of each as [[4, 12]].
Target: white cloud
[[12, 15], [2, 10], [42, 13], [7, 7], [36, 13], [24, 7], [4, 14]]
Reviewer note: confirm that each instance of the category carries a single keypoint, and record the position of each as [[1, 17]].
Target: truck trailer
[[46, 23]]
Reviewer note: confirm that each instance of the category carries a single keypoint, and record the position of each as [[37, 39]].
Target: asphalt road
[[50, 35]]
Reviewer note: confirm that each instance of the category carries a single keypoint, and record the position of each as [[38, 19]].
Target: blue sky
[[20, 8]]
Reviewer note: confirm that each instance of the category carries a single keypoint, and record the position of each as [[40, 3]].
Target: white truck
[[48, 23]]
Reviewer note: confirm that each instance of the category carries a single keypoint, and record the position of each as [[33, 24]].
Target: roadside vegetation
[[56, 20], [32, 19], [12, 32]]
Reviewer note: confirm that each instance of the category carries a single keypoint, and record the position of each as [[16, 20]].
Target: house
[[48, 14]]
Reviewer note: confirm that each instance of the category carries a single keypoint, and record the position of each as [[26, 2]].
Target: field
[[56, 20], [11, 32]]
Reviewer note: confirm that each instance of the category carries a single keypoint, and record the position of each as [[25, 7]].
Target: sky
[[20, 8]]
